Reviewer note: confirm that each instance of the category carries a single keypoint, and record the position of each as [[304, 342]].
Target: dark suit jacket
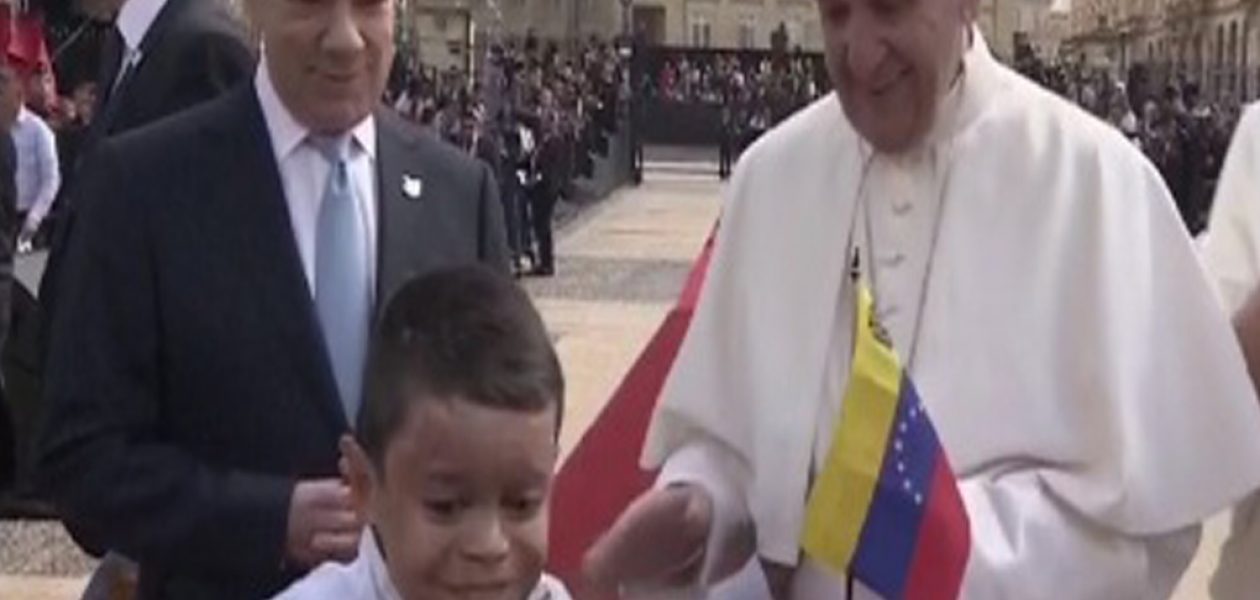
[[188, 385], [194, 51], [554, 154], [8, 199], [8, 231]]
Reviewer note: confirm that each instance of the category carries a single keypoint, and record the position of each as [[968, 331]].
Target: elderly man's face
[[329, 59], [892, 60]]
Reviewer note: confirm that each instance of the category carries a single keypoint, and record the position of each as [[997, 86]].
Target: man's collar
[[136, 18], [286, 132], [25, 114]]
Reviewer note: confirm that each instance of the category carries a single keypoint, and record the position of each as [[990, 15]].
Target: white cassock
[[1232, 253], [1232, 246], [1083, 380]]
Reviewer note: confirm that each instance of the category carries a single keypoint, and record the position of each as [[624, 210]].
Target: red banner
[[22, 37]]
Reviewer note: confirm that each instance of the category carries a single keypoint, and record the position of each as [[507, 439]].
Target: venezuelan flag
[[885, 509]]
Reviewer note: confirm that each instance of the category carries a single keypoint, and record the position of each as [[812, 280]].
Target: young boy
[[452, 459]]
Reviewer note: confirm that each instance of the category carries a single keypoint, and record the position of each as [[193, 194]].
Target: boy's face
[[461, 510]]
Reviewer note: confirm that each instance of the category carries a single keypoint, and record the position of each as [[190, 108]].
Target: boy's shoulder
[[331, 581], [550, 588]]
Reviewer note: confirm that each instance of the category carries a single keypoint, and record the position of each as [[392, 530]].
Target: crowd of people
[[49, 130], [1180, 130], [752, 91], [538, 116]]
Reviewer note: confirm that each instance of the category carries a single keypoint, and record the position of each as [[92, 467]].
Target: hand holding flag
[[885, 510]]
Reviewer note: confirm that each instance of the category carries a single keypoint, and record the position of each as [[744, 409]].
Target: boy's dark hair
[[465, 333]]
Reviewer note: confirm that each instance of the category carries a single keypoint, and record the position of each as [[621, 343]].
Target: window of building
[[701, 32], [1220, 44], [747, 32], [795, 32]]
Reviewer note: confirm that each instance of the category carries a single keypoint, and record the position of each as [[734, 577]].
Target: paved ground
[[621, 268], [621, 264]]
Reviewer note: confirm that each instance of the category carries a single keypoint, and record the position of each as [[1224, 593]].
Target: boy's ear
[[356, 470]]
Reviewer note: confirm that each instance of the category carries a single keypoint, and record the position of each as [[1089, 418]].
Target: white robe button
[[893, 261]]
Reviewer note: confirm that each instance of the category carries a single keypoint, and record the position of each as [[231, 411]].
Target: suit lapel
[[149, 49], [407, 226], [257, 221]]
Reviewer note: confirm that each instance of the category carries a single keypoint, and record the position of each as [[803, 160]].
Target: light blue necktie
[[342, 292]]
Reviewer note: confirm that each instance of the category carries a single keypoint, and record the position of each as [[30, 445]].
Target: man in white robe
[[1032, 272], [1231, 250], [1232, 245]]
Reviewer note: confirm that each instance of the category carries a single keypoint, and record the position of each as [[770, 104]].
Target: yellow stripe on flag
[[842, 492]]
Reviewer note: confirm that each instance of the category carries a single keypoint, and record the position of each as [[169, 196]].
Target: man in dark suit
[[160, 58], [188, 52], [553, 165], [207, 351], [10, 104]]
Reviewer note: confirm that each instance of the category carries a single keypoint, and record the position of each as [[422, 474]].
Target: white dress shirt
[[367, 578], [304, 173], [38, 172], [134, 21]]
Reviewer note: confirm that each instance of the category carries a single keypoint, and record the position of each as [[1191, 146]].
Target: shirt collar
[[136, 18], [287, 133], [374, 562], [969, 95]]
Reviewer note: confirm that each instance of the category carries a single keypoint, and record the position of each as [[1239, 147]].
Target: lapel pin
[[412, 187]]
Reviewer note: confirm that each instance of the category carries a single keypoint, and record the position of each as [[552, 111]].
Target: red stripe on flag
[[602, 474], [940, 557]]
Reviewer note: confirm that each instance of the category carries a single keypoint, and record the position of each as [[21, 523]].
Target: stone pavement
[[621, 265], [620, 269]]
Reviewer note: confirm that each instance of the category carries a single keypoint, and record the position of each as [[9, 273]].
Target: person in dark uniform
[[10, 104], [551, 163], [511, 194], [727, 134]]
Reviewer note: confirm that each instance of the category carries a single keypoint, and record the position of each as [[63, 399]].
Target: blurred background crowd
[[536, 115], [1185, 134]]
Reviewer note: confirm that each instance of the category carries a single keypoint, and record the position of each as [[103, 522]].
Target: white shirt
[[134, 21], [38, 172], [367, 578], [304, 173], [1068, 337]]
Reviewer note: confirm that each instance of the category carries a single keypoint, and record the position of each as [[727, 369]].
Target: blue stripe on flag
[[889, 536]]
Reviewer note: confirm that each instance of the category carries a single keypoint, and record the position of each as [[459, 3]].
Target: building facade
[[728, 24], [1212, 43], [445, 33], [736, 24], [1006, 23]]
